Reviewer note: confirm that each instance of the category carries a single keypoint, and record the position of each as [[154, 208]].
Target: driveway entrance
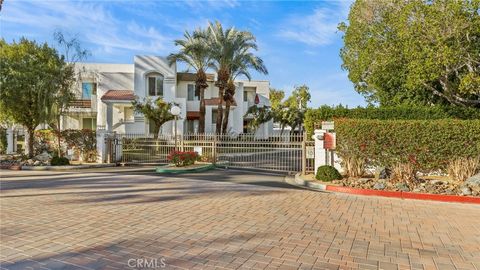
[[114, 219]]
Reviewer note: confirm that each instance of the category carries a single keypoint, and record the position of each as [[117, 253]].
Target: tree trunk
[[201, 120], [155, 131], [225, 117], [59, 137], [30, 132], [218, 126]]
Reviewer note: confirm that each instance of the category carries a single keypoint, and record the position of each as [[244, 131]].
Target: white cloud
[[318, 28], [92, 21], [210, 4]]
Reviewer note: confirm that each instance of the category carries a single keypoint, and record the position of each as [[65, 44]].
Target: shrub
[[44, 141], [462, 168], [327, 173], [354, 166], [181, 159], [327, 113], [85, 140], [404, 173], [426, 144], [59, 161]]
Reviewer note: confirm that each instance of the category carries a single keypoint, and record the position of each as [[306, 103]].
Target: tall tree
[[242, 62], [194, 52], [71, 52], [260, 115], [292, 111], [418, 51], [157, 112], [30, 76], [276, 97], [231, 51]]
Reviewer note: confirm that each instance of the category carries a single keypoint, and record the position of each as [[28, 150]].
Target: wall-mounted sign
[[310, 152], [329, 141], [327, 125]]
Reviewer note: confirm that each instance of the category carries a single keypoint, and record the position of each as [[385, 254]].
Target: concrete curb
[[168, 169], [385, 193], [67, 167], [310, 184]]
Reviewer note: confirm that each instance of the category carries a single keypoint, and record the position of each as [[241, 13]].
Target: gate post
[[320, 151], [182, 145], [101, 146], [324, 156], [10, 141], [304, 154], [214, 148]]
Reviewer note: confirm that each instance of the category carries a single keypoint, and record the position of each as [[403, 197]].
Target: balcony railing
[[81, 103]]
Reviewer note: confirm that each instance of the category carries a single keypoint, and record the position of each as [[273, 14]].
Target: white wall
[[147, 64], [132, 77], [71, 122], [262, 87]]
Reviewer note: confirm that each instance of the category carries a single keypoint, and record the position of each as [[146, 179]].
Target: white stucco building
[[105, 92]]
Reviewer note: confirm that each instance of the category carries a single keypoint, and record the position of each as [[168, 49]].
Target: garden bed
[[426, 184], [309, 181]]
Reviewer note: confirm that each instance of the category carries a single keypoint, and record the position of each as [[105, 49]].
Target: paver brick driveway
[[113, 219]]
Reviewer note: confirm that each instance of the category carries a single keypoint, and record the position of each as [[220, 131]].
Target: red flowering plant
[[181, 158]]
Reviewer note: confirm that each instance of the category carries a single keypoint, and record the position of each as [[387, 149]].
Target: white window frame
[[195, 97], [155, 75], [94, 122]]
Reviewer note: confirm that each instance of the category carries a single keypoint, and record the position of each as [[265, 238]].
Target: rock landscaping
[[471, 187]]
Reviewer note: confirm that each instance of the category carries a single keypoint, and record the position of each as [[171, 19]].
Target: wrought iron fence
[[286, 152]]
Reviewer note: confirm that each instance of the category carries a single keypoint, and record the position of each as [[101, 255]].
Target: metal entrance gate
[[283, 153]]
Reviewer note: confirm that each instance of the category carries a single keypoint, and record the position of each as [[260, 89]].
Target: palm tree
[[240, 65], [230, 50], [194, 52]]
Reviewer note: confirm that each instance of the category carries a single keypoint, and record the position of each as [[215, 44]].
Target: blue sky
[[298, 41]]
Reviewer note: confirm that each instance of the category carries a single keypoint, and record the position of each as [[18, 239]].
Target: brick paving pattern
[[102, 220]]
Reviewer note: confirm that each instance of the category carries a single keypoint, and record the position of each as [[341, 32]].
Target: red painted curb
[[405, 195]]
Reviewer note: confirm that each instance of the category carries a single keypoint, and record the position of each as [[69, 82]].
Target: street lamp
[[175, 111]]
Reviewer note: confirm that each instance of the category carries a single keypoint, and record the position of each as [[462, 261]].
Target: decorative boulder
[[402, 187], [43, 157], [379, 186], [474, 182], [383, 173]]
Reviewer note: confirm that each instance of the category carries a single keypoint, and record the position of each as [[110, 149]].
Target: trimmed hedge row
[[327, 113], [428, 144]]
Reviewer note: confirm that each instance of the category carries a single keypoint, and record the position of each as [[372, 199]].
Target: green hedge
[[327, 113], [430, 144]]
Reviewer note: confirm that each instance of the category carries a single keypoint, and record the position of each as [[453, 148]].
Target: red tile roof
[[215, 101], [118, 95]]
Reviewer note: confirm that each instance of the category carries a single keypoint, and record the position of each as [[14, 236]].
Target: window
[[155, 85], [249, 96], [192, 126], [214, 116], [89, 123], [191, 93], [88, 89]]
